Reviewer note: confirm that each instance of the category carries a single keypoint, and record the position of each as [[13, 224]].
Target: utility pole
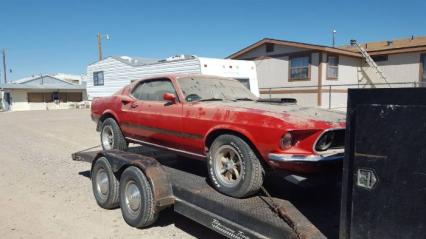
[[4, 66], [99, 46]]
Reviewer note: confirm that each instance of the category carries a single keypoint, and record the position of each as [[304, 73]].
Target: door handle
[[133, 105]]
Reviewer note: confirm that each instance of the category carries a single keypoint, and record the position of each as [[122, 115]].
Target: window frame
[[269, 47], [380, 58], [96, 82], [338, 63], [290, 58], [152, 80]]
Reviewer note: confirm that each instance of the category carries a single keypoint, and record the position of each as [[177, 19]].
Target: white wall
[[118, 74], [402, 67]]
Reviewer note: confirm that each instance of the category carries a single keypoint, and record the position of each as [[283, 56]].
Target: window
[[332, 67], [379, 58], [153, 90], [98, 78], [299, 67], [244, 81], [269, 47]]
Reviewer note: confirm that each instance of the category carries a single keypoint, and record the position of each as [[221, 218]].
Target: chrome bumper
[[303, 158]]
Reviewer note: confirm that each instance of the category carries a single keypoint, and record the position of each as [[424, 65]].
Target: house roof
[[393, 46], [295, 44], [134, 61], [413, 44], [45, 82]]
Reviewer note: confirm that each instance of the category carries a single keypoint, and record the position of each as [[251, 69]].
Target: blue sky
[[60, 36]]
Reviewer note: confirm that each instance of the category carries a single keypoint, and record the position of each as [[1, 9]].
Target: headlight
[[287, 141], [325, 141]]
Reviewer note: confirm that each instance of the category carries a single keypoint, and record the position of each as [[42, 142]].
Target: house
[[111, 74], [319, 75], [43, 92]]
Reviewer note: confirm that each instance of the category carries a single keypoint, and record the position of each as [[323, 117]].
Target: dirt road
[[44, 194]]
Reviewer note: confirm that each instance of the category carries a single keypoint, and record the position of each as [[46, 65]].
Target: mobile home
[[111, 74]]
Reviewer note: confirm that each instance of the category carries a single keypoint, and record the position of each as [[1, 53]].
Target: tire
[[249, 170], [111, 136], [137, 199], [104, 184]]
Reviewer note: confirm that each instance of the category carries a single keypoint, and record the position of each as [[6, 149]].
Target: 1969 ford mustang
[[220, 120]]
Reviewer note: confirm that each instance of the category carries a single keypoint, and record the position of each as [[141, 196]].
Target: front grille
[[336, 136]]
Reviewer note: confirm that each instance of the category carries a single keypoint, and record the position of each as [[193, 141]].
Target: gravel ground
[[44, 194]]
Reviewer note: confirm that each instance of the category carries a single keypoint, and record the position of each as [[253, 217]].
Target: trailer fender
[[153, 170]]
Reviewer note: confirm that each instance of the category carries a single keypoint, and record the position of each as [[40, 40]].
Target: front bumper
[[304, 158]]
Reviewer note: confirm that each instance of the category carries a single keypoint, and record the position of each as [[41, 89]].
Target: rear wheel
[[111, 136], [104, 184], [234, 168], [136, 198]]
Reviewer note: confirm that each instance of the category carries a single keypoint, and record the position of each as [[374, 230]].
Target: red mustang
[[219, 119]]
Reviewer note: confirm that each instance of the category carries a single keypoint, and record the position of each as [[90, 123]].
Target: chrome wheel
[[228, 165], [133, 199], [102, 183], [107, 137]]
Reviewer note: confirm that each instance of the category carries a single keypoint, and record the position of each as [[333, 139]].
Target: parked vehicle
[[220, 120]]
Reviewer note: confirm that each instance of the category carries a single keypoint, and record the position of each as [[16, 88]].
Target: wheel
[[136, 198], [105, 185], [233, 167], [111, 136]]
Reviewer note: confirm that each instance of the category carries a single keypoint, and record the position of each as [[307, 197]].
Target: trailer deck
[[194, 198]]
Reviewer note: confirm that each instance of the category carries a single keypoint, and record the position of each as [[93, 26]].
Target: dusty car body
[[282, 136]]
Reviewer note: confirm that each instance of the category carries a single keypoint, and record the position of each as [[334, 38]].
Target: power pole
[[4, 66], [99, 46]]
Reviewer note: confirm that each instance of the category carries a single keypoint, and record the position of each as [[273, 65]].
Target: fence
[[328, 96]]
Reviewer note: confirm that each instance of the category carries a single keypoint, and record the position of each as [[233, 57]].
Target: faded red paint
[[187, 125]]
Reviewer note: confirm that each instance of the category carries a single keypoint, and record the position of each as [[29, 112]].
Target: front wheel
[[234, 169], [112, 137]]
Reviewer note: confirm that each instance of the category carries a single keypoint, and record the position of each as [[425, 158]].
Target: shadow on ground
[[319, 204]]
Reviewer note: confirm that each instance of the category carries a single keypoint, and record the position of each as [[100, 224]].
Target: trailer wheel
[[233, 167], [111, 136], [105, 185], [136, 198]]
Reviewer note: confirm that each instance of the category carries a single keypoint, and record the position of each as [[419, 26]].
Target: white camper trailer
[[111, 74]]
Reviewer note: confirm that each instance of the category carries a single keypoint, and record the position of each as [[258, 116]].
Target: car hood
[[299, 115]]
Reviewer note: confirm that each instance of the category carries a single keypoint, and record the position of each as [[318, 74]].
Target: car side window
[[153, 90]]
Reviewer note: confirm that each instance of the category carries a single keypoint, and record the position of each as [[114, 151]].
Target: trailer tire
[[233, 167], [137, 199], [111, 136], [104, 184]]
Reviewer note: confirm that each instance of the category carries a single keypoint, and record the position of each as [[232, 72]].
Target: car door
[[151, 118]]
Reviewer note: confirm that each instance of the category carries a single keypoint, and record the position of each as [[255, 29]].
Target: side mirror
[[126, 99], [169, 97]]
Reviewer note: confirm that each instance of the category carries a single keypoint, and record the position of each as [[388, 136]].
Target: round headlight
[[325, 141], [287, 141]]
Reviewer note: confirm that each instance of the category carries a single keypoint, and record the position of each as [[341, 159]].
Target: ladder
[[370, 62]]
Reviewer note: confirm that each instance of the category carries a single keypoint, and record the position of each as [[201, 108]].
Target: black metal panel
[[384, 178]]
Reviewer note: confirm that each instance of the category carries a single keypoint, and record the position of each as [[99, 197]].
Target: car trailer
[[383, 183], [189, 193]]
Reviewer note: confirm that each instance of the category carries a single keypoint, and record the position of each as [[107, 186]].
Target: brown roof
[[413, 44], [393, 46], [295, 44]]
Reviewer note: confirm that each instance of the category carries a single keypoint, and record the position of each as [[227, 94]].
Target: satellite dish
[[107, 37]]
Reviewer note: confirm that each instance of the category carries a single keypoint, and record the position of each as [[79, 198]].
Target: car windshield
[[210, 88]]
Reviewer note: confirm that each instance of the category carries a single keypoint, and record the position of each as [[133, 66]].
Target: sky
[[42, 37]]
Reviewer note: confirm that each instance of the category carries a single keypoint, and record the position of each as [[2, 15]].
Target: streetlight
[[334, 38], [106, 36]]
